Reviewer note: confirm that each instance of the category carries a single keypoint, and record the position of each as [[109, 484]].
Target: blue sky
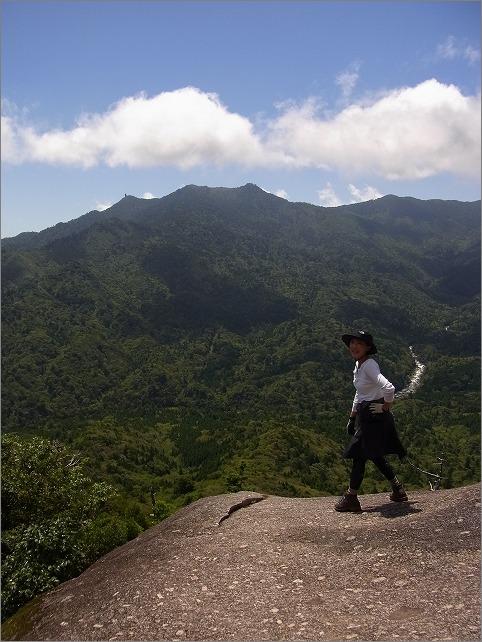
[[322, 102]]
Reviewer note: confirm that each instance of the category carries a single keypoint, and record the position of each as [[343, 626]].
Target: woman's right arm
[[354, 405]]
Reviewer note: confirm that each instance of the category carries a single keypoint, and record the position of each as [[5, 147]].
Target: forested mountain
[[191, 344]]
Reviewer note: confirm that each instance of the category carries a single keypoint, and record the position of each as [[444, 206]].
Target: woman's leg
[[384, 467], [349, 502], [357, 474], [398, 494]]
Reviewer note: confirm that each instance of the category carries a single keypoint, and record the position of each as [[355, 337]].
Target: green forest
[[177, 348]]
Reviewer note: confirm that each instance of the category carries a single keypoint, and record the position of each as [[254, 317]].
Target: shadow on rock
[[392, 509]]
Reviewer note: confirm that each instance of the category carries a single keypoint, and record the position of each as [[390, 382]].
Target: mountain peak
[[248, 196]]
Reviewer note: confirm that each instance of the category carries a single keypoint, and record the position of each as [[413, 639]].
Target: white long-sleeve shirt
[[370, 384]]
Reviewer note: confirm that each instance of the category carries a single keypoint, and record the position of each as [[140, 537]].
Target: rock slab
[[246, 566]]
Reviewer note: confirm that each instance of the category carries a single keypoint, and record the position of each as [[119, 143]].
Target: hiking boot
[[398, 494], [348, 503]]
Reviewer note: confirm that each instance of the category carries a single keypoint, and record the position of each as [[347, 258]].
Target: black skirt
[[376, 435]]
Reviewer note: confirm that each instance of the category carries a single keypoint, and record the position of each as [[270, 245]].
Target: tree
[[55, 519]]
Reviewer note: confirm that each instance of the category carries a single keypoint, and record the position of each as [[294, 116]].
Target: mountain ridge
[[130, 207], [191, 346], [213, 317]]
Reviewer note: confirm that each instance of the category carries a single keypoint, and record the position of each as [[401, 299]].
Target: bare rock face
[[246, 566]]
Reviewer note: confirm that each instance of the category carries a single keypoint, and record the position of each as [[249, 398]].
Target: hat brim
[[346, 338]]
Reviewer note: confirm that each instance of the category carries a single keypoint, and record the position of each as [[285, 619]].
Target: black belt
[[365, 404]]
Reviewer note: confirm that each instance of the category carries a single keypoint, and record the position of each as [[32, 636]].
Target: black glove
[[350, 427]]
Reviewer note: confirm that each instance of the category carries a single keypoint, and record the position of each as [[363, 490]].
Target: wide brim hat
[[364, 336]]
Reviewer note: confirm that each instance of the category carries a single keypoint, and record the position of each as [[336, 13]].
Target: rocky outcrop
[[245, 566]]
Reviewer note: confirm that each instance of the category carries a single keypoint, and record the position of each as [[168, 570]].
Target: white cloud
[[368, 193], [182, 128], [453, 48], [348, 79], [405, 134], [100, 207], [279, 192], [148, 195], [328, 197], [409, 133]]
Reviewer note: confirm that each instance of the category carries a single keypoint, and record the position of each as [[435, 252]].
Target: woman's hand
[[376, 408], [350, 427]]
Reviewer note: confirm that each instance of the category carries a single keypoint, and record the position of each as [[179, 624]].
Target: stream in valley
[[415, 379]]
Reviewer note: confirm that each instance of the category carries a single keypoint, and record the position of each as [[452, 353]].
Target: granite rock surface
[[245, 566]]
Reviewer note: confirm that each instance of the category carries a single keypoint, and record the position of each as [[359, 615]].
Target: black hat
[[364, 336]]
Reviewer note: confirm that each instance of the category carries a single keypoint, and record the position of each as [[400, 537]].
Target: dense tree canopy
[[55, 519], [190, 345]]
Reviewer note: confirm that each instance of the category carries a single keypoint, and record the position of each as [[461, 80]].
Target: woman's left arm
[[386, 386], [388, 392]]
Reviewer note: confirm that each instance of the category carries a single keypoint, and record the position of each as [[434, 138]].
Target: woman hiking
[[376, 435]]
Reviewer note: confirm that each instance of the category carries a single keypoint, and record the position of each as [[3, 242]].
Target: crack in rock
[[243, 504]]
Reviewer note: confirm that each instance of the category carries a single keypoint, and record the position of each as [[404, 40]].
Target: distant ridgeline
[[191, 344]]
